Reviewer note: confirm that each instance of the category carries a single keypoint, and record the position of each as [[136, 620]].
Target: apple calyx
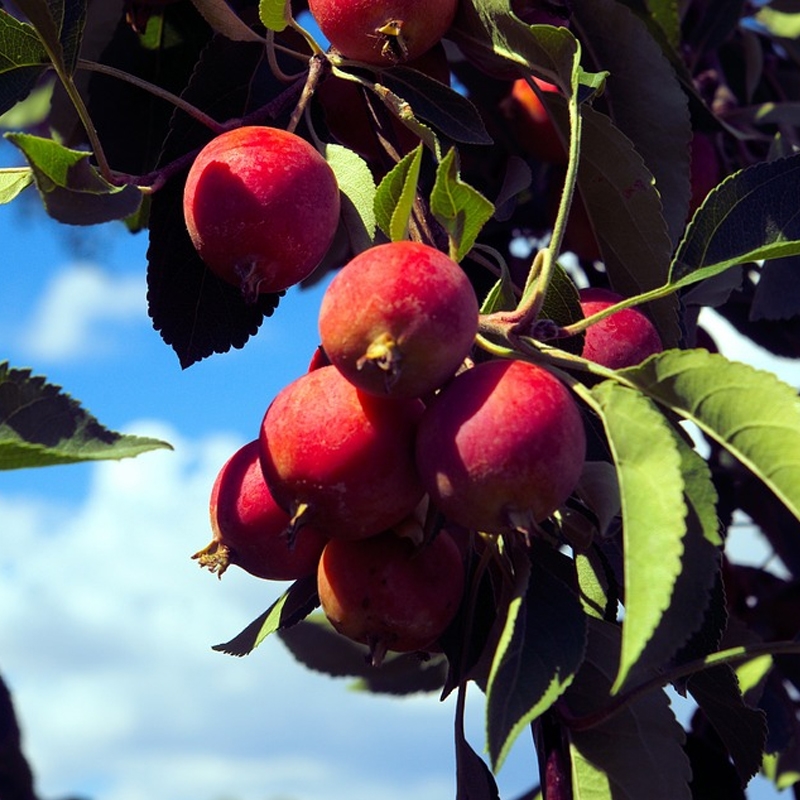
[[215, 557], [393, 43], [384, 353]]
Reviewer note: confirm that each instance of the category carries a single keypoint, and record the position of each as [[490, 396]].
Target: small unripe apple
[[250, 528], [383, 32], [531, 123], [501, 447], [390, 594], [621, 340], [340, 459], [399, 319], [261, 208]]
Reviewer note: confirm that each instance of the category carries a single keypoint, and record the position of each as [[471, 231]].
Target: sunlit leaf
[[275, 14], [72, 189], [13, 181], [461, 209], [358, 189], [223, 19], [395, 196], [41, 426], [751, 413], [653, 511], [23, 60]]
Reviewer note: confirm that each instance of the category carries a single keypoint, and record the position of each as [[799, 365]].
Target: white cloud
[[78, 310], [106, 627]]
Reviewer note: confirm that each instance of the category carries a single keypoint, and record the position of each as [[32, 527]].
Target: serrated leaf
[[660, 128], [224, 20], [274, 14], [699, 569], [12, 181], [59, 25], [624, 207], [636, 753], [540, 650], [316, 645], [596, 594], [460, 209], [41, 426], [751, 413], [394, 199], [653, 511], [72, 190], [500, 43], [743, 729], [358, 186], [448, 111], [294, 605], [501, 297], [666, 15], [23, 60], [751, 215]]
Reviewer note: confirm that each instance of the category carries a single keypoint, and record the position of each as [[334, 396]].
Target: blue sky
[[105, 622]]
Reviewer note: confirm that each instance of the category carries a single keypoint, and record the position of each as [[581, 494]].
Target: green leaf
[[358, 189], [751, 413], [540, 649], [660, 128], [501, 297], [224, 20], [743, 729], [394, 199], [59, 25], [497, 41], [41, 426], [294, 605], [274, 14], [12, 181], [450, 112], [666, 15], [316, 645], [72, 190], [635, 754], [653, 511], [751, 215], [461, 210], [624, 207], [785, 25], [22, 60]]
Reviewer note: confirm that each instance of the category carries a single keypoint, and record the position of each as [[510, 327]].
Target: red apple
[[390, 594], [338, 458], [250, 528], [261, 207], [383, 32], [622, 340], [501, 447], [531, 124], [399, 319], [705, 169]]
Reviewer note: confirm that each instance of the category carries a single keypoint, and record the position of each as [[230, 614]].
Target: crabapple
[[338, 458], [621, 340], [390, 594], [531, 123], [250, 527], [501, 447], [383, 32], [261, 207], [399, 319]]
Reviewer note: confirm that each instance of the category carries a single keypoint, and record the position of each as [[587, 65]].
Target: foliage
[[627, 589]]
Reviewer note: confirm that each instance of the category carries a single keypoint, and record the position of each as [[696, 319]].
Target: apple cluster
[[392, 430]]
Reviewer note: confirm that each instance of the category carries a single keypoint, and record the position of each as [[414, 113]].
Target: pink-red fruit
[[383, 32], [338, 458], [501, 447], [261, 207], [621, 340], [250, 529], [390, 594], [399, 319]]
